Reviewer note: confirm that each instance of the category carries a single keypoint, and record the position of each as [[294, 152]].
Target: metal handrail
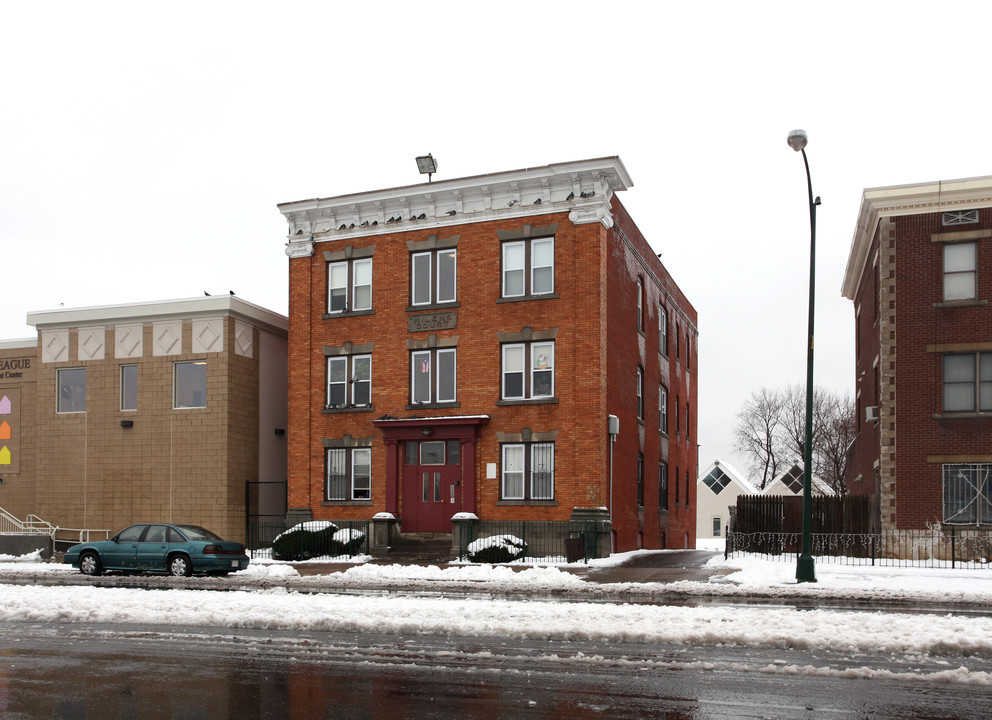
[[34, 525]]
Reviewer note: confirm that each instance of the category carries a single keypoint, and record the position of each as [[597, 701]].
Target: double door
[[432, 480]]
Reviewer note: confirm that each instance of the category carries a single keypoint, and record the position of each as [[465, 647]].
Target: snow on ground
[[265, 598]]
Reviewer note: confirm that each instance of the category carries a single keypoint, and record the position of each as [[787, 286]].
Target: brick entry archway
[[430, 469]]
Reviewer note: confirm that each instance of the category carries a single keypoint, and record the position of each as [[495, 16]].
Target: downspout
[[613, 427]]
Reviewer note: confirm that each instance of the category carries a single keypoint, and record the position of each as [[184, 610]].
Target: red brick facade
[[591, 317], [905, 329]]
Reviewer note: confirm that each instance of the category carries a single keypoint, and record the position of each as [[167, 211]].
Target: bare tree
[[837, 430], [771, 432], [757, 431]]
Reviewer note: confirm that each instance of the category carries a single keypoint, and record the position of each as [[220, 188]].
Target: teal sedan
[[159, 547]]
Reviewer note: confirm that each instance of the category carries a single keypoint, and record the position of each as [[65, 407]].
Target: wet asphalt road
[[150, 672]]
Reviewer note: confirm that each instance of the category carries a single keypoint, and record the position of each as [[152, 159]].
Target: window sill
[[521, 503], [962, 415], [663, 433], [528, 401], [434, 306], [355, 313], [351, 409], [525, 298], [431, 406], [331, 503], [960, 303]]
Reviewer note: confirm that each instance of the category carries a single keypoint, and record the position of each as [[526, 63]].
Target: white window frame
[[68, 384], [958, 267], [529, 358], [124, 383], [351, 381], [526, 266], [176, 381], [717, 526], [640, 394], [434, 279], [662, 409], [966, 489], [519, 469], [433, 356], [349, 461], [663, 330], [351, 286], [976, 388]]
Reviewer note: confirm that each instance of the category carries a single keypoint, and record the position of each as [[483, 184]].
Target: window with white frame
[[528, 267], [189, 384], [72, 390], [640, 394], [967, 493], [129, 387], [433, 376], [960, 271], [349, 381], [528, 471], [433, 277], [662, 330], [663, 409], [349, 286], [717, 527], [528, 370], [348, 474], [967, 382]]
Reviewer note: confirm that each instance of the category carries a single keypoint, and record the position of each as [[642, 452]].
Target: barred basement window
[[967, 494]]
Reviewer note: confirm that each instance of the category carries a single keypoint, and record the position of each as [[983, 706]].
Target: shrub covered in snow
[[496, 549], [305, 541], [347, 541]]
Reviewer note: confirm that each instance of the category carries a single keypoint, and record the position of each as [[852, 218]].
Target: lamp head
[[798, 139]]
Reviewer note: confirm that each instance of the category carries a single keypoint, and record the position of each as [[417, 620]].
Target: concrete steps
[[420, 548]]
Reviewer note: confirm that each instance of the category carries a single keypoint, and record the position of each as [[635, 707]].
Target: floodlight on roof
[[427, 165], [797, 140]]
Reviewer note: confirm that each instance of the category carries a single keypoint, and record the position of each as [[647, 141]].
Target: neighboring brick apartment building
[[459, 346], [172, 411], [920, 276]]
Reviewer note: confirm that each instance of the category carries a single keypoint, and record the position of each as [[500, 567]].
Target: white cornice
[[583, 189], [900, 200], [211, 305]]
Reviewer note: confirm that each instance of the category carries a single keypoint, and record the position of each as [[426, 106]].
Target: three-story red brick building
[[920, 276], [460, 346]]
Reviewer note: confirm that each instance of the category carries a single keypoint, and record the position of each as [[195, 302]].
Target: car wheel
[[89, 564], [180, 566]]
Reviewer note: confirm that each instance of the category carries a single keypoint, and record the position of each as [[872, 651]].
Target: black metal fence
[[328, 539], [948, 547], [542, 541]]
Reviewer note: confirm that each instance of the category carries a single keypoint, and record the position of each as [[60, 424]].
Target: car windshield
[[194, 532]]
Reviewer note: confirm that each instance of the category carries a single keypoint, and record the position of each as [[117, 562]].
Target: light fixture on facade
[[427, 165], [426, 431]]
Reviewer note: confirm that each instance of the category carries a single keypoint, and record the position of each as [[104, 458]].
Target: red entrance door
[[432, 490]]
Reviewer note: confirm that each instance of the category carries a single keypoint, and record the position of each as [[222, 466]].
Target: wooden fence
[[849, 514]]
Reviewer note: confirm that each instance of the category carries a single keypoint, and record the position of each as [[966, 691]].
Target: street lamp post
[[805, 569]]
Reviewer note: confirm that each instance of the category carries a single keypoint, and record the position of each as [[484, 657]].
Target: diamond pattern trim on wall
[[208, 335], [91, 343], [167, 338], [128, 341], [244, 338], [54, 346]]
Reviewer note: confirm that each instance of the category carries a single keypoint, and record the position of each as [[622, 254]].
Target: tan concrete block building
[[168, 411]]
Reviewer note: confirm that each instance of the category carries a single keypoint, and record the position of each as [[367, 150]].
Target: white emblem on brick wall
[[167, 338], [128, 341], [208, 335], [243, 338], [92, 343], [54, 345]]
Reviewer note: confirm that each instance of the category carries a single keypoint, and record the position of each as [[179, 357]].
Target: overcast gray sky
[[143, 148]]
